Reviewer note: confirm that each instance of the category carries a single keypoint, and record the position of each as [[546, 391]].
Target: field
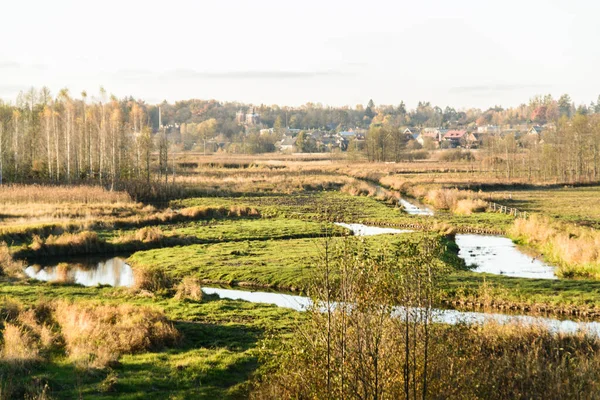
[[263, 223]]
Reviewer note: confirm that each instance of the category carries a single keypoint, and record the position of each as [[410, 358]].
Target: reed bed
[[44, 194], [574, 248], [93, 335]]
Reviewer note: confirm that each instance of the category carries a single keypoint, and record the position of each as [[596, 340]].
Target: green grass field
[[215, 359], [575, 204]]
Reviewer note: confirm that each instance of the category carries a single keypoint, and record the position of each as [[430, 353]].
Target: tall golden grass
[[97, 335], [43, 194], [19, 346], [458, 201], [8, 265], [576, 249], [93, 335]]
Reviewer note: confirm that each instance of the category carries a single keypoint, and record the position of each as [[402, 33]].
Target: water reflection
[[114, 272], [364, 230], [415, 210], [499, 255], [301, 303]]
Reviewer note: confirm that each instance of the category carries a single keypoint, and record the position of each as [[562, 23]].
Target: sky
[[459, 53]]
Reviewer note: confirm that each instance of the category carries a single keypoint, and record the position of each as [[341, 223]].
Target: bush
[[457, 155]]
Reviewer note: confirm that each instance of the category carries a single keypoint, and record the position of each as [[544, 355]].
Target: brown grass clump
[[19, 346], [68, 243], [8, 265], [149, 234], [189, 288], [458, 201], [97, 336], [151, 279], [469, 206]]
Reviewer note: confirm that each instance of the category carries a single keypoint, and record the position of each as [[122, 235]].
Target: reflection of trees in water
[[113, 272]]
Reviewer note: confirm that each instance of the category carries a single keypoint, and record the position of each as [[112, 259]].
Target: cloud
[[480, 89], [192, 74]]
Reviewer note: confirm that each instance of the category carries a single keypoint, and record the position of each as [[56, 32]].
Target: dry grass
[[151, 279], [189, 289], [8, 265], [469, 206], [19, 346], [68, 243], [458, 201], [97, 335], [575, 248], [149, 234], [42, 194]]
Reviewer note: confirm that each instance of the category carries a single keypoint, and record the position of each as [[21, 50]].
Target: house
[[535, 130], [471, 141], [488, 129], [287, 144], [455, 137], [433, 134], [347, 134], [267, 131], [412, 132]]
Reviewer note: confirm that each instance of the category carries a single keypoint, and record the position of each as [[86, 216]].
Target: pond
[[364, 230], [84, 271], [499, 255]]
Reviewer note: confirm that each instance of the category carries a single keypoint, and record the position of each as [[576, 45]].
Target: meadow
[[265, 222]]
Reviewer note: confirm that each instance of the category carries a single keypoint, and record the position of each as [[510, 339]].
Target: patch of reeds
[[19, 346], [456, 200], [97, 335], [44, 194], [85, 242], [576, 249]]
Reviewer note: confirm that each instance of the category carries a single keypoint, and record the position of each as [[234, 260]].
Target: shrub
[[457, 155]]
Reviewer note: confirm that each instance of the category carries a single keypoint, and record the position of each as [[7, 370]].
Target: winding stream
[[499, 255], [116, 272], [365, 230], [301, 303], [412, 209]]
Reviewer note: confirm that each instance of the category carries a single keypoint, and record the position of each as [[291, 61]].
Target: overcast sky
[[461, 53]]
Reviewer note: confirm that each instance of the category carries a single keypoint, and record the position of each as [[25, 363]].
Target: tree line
[[569, 153], [63, 139]]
